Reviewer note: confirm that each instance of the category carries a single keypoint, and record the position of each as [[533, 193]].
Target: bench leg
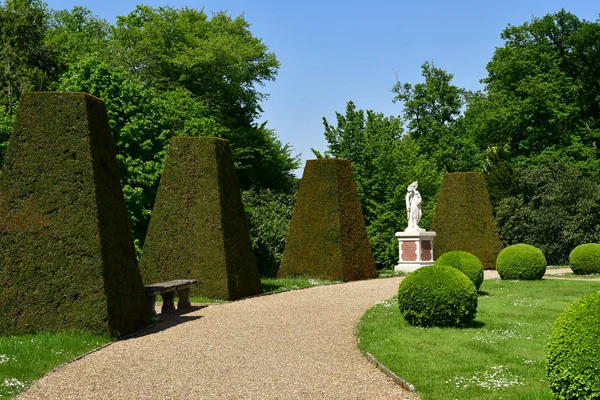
[[184, 298], [151, 300], [168, 302]]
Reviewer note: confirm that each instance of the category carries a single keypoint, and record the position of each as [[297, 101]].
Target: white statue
[[413, 208]]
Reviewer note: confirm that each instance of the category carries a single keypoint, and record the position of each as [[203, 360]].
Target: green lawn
[[502, 355], [24, 359], [576, 276], [388, 273], [276, 285]]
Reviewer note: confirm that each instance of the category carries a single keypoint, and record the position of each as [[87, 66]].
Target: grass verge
[[276, 285], [26, 358], [272, 285], [389, 273], [573, 275], [502, 355]]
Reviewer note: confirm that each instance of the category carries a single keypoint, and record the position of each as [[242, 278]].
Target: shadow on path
[[167, 320]]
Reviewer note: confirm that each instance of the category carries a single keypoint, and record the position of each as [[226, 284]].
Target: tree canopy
[[166, 71], [162, 72], [533, 130]]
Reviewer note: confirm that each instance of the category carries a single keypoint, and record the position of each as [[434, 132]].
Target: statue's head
[[412, 187]]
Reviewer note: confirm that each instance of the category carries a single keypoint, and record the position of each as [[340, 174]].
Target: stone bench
[[167, 291]]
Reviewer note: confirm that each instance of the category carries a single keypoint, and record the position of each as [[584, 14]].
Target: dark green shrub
[[198, 228], [269, 214], [327, 237], [67, 260], [463, 218], [466, 263], [585, 259], [556, 209], [521, 262], [573, 351], [437, 295]]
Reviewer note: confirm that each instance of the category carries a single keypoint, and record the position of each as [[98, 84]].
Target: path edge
[[400, 381]]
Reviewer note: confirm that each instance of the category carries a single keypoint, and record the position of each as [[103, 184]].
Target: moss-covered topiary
[[585, 259], [573, 351], [198, 228], [466, 263], [67, 259], [463, 218], [521, 262], [327, 236], [437, 295]]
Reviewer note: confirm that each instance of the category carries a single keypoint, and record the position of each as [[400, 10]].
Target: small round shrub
[[437, 295], [521, 262], [573, 351], [585, 259], [466, 263]]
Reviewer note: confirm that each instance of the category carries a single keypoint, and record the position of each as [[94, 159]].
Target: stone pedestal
[[415, 250]]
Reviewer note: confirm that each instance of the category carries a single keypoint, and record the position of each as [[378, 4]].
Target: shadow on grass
[[474, 325], [482, 293], [268, 287]]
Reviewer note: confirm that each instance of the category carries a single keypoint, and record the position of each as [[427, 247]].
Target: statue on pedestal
[[413, 208], [415, 244]]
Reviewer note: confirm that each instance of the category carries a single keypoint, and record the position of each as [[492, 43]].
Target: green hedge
[[67, 259], [573, 351], [327, 236], [437, 295], [198, 228], [585, 259], [463, 218], [466, 263], [521, 262]]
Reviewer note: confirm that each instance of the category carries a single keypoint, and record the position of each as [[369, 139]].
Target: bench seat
[[167, 290]]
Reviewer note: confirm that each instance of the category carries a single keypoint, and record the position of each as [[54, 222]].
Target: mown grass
[[389, 273], [26, 358], [573, 275], [276, 285], [502, 355]]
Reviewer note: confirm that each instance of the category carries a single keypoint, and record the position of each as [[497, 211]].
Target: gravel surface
[[292, 345]]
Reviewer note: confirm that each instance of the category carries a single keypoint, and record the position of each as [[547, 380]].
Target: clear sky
[[335, 51]]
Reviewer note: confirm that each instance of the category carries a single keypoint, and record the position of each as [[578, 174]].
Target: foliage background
[[163, 71]]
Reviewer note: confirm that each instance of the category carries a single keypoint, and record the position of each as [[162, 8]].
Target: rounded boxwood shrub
[[521, 262], [585, 259], [466, 263], [573, 351], [437, 295]]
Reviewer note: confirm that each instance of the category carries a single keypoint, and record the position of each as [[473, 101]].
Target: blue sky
[[335, 51]]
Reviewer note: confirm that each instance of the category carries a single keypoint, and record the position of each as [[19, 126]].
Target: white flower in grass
[[494, 378], [4, 358], [13, 383], [526, 302]]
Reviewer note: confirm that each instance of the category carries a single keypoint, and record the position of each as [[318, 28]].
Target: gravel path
[[292, 345]]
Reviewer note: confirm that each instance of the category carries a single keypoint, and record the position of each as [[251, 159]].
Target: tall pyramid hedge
[[67, 260], [327, 236], [463, 218], [198, 228]]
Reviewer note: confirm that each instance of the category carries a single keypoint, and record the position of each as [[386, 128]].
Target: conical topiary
[[198, 228], [67, 260], [463, 218], [327, 236]]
